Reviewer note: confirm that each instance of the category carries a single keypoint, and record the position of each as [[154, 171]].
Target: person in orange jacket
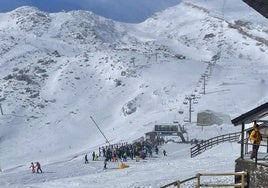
[[255, 137]]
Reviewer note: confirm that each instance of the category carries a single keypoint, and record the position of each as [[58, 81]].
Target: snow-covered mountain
[[58, 69]]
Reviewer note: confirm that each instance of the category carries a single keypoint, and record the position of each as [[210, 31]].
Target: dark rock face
[[257, 175]]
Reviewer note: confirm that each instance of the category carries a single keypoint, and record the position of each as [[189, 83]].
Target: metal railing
[[242, 175], [207, 144], [259, 156]]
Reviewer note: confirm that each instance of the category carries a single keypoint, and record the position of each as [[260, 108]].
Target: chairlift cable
[[222, 30]]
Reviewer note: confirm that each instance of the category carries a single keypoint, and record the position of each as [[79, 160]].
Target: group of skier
[[37, 166], [123, 151], [95, 157]]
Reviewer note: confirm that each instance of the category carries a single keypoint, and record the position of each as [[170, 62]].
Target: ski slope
[[58, 69]]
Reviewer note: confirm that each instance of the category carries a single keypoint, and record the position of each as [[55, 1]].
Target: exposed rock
[[129, 108], [210, 35], [118, 82]]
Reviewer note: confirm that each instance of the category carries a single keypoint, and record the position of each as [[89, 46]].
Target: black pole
[[190, 109], [242, 140], [1, 110], [256, 157]]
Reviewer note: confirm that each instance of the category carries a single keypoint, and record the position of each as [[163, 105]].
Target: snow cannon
[[122, 166]]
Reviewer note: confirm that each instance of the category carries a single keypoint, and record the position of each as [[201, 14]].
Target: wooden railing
[[207, 144], [198, 183]]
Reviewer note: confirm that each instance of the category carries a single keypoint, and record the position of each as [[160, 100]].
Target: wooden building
[[257, 170]]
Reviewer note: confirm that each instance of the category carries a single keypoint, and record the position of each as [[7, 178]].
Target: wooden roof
[[252, 115], [260, 6]]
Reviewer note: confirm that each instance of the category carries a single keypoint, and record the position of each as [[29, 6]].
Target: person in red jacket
[[38, 167]]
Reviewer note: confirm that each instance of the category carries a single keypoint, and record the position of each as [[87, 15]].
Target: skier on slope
[[38, 167], [93, 156], [164, 152], [32, 167], [105, 163], [156, 150], [86, 160]]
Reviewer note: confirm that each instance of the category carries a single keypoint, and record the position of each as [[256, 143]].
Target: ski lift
[[198, 96], [185, 102], [180, 111], [193, 95], [186, 120], [195, 102]]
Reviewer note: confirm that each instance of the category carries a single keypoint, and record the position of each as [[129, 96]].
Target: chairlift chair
[[186, 120], [185, 102], [180, 111], [198, 96]]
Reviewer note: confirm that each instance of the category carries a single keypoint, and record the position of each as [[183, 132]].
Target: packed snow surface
[[58, 69]]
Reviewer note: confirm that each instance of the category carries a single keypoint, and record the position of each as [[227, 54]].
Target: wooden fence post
[[198, 180], [178, 184], [243, 180]]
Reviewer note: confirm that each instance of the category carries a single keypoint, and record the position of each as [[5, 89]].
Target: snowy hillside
[[58, 69]]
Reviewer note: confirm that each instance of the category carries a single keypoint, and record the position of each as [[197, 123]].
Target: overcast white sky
[[120, 10]]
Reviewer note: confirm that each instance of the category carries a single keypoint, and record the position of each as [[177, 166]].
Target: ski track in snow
[[151, 172]]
